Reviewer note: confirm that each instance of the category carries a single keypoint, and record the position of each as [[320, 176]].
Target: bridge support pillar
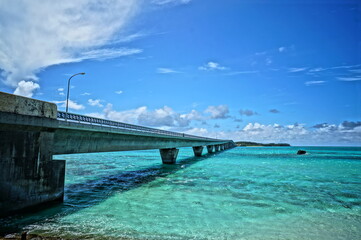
[[198, 151], [28, 175], [169, 155], [210, 148], [216, 148]]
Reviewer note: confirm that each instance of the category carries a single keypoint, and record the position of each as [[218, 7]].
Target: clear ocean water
[[242, 193]]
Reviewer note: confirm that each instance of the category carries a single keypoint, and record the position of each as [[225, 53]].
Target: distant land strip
[[255, 144]]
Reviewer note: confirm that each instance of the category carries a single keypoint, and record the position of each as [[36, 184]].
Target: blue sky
[[286, 71]]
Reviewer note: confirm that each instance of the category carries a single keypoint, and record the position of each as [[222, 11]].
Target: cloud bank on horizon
[[345, 133], [37, 34]]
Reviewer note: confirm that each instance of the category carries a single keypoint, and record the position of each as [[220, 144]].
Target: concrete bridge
[[32, 131]]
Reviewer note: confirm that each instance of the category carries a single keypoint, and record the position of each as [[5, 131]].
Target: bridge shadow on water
[[92, 192]]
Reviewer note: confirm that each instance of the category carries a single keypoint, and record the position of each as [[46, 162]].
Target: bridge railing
[[103, 122]]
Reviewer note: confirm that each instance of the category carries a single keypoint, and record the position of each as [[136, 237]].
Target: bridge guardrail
[[126, 126]]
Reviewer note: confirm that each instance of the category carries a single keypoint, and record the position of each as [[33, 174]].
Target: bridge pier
[[210, 148], [216, 148], [169, 155], [28, 175], [198, 151]]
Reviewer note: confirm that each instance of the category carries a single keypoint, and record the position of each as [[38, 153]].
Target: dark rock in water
[[23, 235], [301, 152]]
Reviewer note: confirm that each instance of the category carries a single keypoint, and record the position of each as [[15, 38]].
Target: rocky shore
[[17, 236]]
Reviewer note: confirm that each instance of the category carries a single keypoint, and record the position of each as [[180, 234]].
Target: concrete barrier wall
[[26, 106]]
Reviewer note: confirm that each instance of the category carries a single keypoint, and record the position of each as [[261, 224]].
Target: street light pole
[[67, 96]]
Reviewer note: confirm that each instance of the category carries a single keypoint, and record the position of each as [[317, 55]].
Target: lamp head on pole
[[67, 96]]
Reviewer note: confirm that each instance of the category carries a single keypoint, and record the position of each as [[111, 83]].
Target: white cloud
[[261, 53], [345, 66], [355, 70], [85, 94], [197, 132], [218, 112], [165, 2], [293, 70], [281, 49], [163, 117], [71, 105], [317, 69], [37, 34], [119, 92], [95, 102], [128, 116], [166, 70], [212, 66], [347, 133], [349, 79], [103, 54], [26, 89], [310, 83], [193, 115], [240, 72], [96, 115], [61, 91], [271, 133]]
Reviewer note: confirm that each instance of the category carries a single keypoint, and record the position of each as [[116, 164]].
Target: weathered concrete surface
[[198, 151], [26, 106], [169, 155], [28, 175]]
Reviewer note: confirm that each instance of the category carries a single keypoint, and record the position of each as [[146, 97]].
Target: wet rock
[[301, 152], [10, 236]]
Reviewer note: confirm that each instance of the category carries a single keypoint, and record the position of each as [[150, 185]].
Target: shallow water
[[242, 193]]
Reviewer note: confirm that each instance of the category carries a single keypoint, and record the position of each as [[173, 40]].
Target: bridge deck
[[80, 134]]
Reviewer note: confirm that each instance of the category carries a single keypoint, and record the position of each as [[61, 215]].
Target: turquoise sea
[[241, 193]]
